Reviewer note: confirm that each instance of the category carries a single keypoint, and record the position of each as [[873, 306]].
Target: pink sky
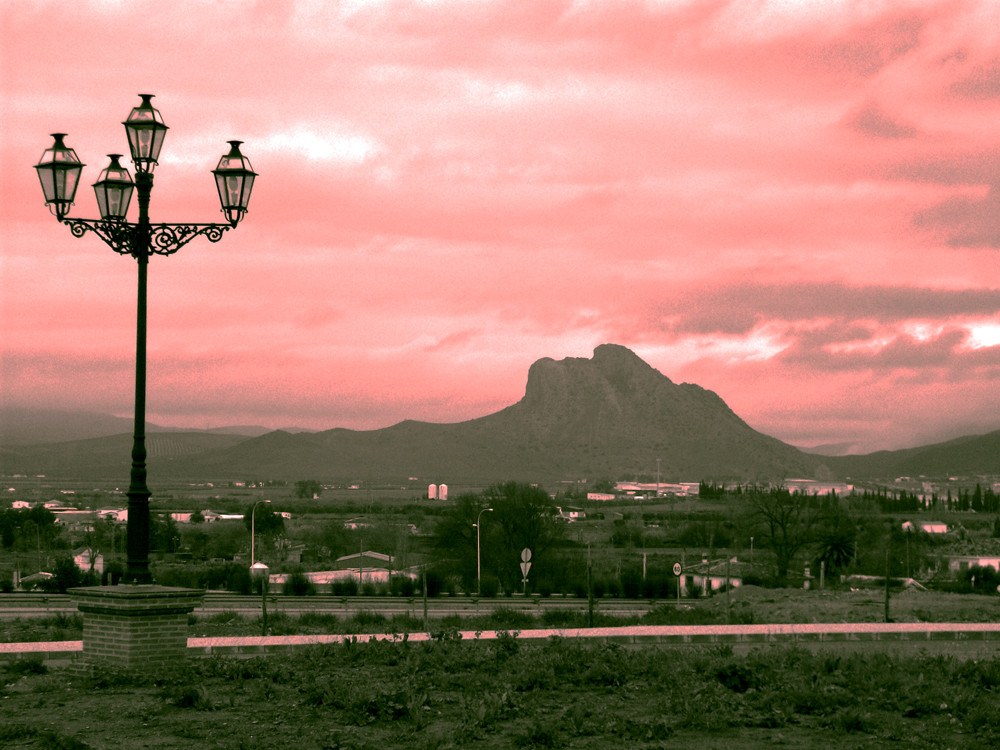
[[794, 204]]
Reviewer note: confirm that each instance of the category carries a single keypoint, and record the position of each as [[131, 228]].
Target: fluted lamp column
[[137, 624], [59, 172]]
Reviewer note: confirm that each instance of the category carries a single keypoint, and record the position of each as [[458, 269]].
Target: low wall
[[971, 638]]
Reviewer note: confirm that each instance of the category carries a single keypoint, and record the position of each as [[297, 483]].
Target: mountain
[[23, 426], [972, 455], [29, 426], [610, 416], [605, 417]]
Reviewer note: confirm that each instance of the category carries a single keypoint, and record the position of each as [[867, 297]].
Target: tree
[[264, 522], [65, 575], [787, 524], [836, 547], [163, 534], [308, 489], [604, 485], [455, 537], [523, 517]]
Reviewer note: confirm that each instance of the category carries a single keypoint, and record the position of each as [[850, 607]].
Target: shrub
[[490, 586], [503, 618], [434, 582], [298, 585], [632, 584], [347, 587], [29, 665], [365, 619], [402, 585]]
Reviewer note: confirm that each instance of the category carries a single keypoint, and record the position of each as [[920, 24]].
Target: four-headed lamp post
[[479, 564], [59, 172]]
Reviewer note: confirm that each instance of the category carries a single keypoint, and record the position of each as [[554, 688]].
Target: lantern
[[234, 178], [145, 130], [114, 190], [59, 172]]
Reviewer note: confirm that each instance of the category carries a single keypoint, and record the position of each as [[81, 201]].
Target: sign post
[[525, 567], [677, 573]]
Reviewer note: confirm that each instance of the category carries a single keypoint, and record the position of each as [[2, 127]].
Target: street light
[[253, 518], [259, 571], [479, 565], [59, 172]]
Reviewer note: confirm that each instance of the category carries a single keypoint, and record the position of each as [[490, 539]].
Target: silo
[[432, 492], [443, 492]]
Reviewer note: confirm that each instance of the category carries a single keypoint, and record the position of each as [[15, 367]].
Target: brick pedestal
[[135, 626]]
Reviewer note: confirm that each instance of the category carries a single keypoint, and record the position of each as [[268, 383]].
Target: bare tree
[[788, 524]]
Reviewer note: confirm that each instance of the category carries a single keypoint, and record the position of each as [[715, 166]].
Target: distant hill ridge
[[609, 416]]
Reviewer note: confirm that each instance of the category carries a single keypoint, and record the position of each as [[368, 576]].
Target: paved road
[[38, 605]]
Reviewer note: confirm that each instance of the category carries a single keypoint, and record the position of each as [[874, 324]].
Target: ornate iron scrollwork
[[165, 239], [118, 235], [125, 238]]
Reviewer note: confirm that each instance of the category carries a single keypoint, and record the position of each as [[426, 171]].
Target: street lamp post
[[253, 520], [479, 565], [59, 172]]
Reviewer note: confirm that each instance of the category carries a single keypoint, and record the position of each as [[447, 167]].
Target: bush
[[632, 584], [503, 618], [298, 585], [402, 585], [434, 582], [25, 666], [347, 587], [490, 586]]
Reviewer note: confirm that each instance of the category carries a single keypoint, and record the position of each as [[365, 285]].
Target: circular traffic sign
[[677, 569]]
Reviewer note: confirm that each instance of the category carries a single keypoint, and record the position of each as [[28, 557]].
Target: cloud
[[307, 144], [871, 121], [982, 82], [966, 222], [797, 198], [735, 308]]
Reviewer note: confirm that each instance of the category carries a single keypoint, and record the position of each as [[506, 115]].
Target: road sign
[[525, 567], [526, 555], [677, 569]]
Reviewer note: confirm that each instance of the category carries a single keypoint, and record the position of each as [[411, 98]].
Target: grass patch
[[444, 693]]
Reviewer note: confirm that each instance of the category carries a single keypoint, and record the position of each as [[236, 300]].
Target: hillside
[[611, 416], [971, 455]]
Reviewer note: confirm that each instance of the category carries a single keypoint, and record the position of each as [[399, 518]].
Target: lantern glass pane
[[48, 184], [234, 190], [70, 179], [247, 187]]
